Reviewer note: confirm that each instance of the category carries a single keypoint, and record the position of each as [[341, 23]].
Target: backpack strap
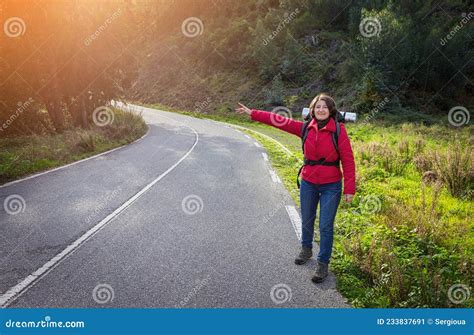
[[298, 176], [304, 134], [335, 136], [335, 141]]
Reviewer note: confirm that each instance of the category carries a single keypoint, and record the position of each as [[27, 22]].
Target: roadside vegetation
[[27, 154], [406, 240]]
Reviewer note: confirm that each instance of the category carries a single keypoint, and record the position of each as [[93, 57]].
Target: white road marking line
[[295, 220], [73, 163], [265, 156], [257, 144], [247, 136], [275, 177], [261, 134], [16, 291]]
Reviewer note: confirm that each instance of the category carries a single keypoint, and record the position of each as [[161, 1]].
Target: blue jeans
[[328, 196]]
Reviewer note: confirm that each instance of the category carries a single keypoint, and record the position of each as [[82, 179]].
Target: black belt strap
[[322, 161], [310, 162]]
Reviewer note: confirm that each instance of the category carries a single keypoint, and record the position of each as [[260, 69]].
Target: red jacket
[[318, 144]]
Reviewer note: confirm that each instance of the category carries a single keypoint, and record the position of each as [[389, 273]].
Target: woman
[[320, 182]]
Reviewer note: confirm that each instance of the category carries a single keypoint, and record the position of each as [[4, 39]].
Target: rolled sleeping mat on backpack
[[341, 116], [305, 114], [347, 117]]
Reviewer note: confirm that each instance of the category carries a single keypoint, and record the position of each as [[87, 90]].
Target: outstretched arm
[[278, 121]]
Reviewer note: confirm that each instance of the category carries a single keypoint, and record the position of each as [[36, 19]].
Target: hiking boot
[[321, 273], [304, 256]]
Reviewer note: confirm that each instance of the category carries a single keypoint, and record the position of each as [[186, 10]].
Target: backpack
[[322, 161]]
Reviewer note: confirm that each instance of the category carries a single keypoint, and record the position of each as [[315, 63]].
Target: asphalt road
[[188, 216]]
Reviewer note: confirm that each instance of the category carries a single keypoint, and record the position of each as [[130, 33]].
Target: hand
[[243, 109], [348, 197]]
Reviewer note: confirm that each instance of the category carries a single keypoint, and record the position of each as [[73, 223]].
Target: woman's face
[[321, 110]]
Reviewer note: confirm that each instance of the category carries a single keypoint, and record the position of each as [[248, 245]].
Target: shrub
[[86, 142], [455, 168]]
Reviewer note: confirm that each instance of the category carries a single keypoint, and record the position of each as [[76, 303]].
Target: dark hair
[[329, 102]]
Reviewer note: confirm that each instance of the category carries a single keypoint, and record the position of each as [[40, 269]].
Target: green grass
[[25, 155], [401, 242]]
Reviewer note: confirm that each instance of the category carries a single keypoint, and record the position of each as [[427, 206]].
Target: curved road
[[189, 216]]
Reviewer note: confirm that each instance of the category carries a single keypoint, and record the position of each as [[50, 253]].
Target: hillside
[[393, 56]]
